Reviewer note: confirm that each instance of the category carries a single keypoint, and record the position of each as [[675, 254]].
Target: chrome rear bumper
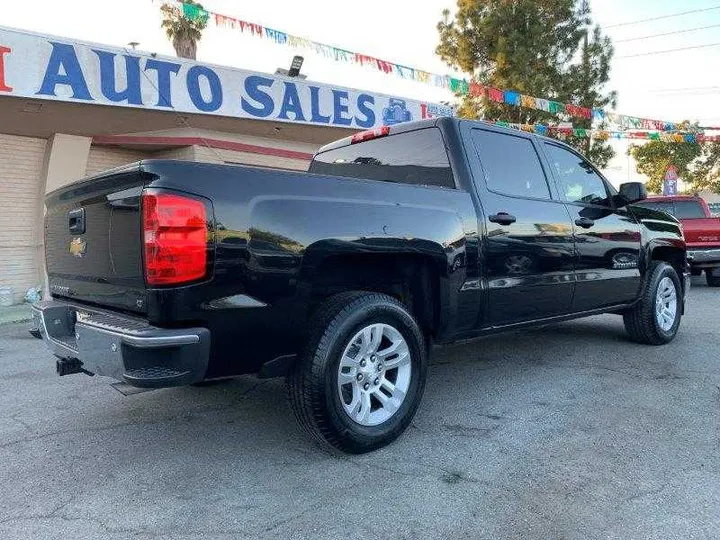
[[704, 257], [122, 347]]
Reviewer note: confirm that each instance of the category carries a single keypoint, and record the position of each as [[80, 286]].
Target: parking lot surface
[[567, 432]]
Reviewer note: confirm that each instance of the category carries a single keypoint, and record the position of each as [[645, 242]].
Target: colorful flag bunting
[[511, 98], [476, 89], [195, 13], [457, 86], [556, 107], [496, 95], [542, 104], [527, 101]]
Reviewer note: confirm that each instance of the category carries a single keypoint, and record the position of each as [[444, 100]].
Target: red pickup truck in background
[[701, 229]]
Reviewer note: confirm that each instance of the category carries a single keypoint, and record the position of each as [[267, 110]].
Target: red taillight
[[370, 134], [176, 235]]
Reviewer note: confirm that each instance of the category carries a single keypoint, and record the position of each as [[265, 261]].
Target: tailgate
[[701, 233], [93, 240]]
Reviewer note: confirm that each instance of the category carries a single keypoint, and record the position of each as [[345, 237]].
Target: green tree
[[543, 48], [697, 164], [184, 26], [706, 170]]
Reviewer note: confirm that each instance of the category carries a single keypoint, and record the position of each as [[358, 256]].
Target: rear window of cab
[[414, 157]]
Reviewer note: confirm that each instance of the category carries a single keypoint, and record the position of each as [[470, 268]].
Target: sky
[[673, 86]]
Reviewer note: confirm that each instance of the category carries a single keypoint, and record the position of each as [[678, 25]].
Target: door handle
[[502, 218], [76, 221], [585, 223]]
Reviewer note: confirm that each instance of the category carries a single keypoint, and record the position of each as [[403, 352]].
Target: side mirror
[[632, 192]]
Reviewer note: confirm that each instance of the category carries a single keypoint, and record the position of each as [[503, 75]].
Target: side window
[[511, 165], [579, 183]]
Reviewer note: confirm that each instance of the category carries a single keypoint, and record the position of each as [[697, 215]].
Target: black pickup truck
[[167, 273]]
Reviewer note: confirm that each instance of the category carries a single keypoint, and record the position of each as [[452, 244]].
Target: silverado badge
[[78, 247]]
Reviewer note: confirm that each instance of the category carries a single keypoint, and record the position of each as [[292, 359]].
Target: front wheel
[[362, 375], [655, 319]]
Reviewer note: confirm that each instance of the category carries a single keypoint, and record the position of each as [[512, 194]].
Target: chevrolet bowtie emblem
[[78, 247]]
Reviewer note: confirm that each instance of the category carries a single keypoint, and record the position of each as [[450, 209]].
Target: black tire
[[712, 276], [640, 321], [312, 385]]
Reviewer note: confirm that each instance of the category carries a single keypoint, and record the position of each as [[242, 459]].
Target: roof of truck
[[430, 122]]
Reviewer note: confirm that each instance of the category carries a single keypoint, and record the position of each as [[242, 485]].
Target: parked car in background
[[701, 229]]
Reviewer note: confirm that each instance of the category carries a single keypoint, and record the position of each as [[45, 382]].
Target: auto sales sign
[[43, 67]]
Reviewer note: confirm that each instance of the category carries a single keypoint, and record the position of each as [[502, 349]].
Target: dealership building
[[71, 109]]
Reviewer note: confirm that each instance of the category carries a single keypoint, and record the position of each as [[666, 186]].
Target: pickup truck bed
[[271, 231]]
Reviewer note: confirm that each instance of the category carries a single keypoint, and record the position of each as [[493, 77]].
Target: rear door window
[[413, 157], [511, 165]]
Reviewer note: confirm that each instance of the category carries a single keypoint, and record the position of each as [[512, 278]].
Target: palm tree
[[184, 26]]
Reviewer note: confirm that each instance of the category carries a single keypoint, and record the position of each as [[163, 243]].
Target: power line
[[662, 17], [667, 33], [696, 91], [685, 89], [669, 50]]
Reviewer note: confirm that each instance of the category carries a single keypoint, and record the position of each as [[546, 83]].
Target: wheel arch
[[418, 279], [673, 255]]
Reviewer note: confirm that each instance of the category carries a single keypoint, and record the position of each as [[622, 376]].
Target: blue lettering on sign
[[193, 85], [364, 102], [316, 115], [164, 69], [63, 57], [108, 80], [291, 103], [340, 108], [252, 88]]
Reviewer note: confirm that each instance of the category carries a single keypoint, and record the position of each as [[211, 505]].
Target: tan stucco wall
[[216, 155], [102, 158], [65, 160], [275, 142], [21, 164]]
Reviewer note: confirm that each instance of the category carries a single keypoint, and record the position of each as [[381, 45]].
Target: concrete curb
[[15, 314]]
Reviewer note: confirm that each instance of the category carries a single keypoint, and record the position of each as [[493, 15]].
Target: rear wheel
[[712, 276], [655, 319], [362, 375]]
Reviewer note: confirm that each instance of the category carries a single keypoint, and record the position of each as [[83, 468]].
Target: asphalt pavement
[[567, 432]]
